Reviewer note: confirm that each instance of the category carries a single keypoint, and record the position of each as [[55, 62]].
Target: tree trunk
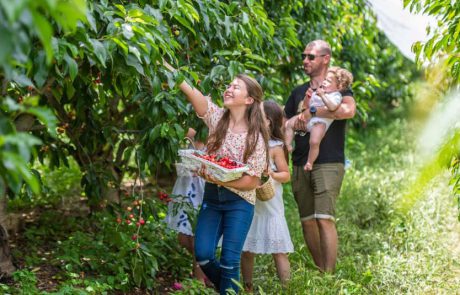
[[111, 192], [6, 262], [108, 181]]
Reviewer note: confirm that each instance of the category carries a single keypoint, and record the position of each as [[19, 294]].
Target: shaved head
[[321, 46]]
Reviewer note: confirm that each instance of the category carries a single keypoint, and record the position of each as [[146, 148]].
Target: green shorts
[[316, 191]]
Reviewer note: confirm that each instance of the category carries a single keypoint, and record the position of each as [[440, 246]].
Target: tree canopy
[[94, 68]]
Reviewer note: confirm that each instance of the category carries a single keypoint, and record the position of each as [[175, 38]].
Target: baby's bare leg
[[316, 135], [289, 132]]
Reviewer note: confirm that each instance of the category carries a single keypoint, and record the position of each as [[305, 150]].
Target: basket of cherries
[[222, 168]]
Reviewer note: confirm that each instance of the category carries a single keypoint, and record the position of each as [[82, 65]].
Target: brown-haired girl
[[269, 232], [237, 131]]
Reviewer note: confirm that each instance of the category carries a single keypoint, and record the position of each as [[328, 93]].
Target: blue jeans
[[223, 213]]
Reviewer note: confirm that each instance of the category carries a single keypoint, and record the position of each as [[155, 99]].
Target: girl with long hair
[[238, 132], [269, 233]]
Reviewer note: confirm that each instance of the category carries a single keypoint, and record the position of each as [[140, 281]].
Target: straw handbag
[[266, 191]]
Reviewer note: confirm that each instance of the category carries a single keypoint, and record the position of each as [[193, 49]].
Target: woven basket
[[266, 191]]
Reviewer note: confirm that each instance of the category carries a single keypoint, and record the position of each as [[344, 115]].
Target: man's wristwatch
[[313, 111]]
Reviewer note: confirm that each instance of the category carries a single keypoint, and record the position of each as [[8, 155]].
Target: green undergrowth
[[382, 249]]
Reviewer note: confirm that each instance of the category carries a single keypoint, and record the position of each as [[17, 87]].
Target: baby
[[337, 79]]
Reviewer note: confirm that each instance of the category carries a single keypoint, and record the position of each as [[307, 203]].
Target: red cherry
[[142, 221], [134, 237]]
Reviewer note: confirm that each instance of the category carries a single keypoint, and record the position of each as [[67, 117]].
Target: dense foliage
[[24, 30], [444, 42], [105, 83]]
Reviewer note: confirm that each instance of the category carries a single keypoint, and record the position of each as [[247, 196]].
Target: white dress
[[191, 187], [269, 233]]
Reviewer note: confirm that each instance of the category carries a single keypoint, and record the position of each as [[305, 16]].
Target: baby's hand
[[320, 91], [309, 93], [306, 99]]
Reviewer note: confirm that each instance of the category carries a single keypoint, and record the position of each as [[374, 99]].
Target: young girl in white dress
[[269, 233]]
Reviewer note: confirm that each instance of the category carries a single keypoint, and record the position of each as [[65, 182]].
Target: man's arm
[[290, 107], [346, 110]]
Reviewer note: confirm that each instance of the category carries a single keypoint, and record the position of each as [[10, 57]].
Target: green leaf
[[22, 80], [216, 72], [170, 111], [256, 57], [72, 65], [244, 18], [164, 130], [154, 133], [227, 24], [45, 32], [91, 21], [46, 116], [41, 73], [185, 23], [227, 53], [7, 45], [132, 61], [69, 13], [179, 130], [252, 66], [17, 166], [156, 84], [13, 8], [234, 68], [135, 52], [122, 44], [51, 3], [127, 31], [163, 4], [99, 50], [70, 90], [121, 8]]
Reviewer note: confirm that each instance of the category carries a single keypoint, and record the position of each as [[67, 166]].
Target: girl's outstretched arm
[[194, 96]]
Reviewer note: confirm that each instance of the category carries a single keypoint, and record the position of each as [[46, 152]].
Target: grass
[[383, 249]]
